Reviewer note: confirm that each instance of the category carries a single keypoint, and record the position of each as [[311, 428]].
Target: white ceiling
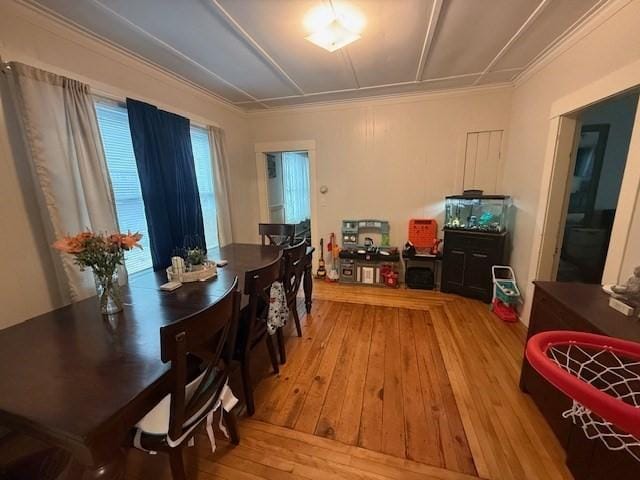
[[253, 53]]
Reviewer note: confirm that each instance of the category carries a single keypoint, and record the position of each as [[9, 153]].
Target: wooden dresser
[[581, 307]]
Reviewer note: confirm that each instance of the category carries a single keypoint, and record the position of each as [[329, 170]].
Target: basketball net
[[609, 373]]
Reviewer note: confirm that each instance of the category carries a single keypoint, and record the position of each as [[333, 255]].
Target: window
[[204, 176], [113, 122], [295, 175]]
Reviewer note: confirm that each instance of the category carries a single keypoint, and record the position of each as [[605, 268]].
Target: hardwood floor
[[372, 377], [388, 384]]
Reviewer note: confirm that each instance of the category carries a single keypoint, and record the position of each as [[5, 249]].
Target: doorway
[[593, 188], [288, 190]]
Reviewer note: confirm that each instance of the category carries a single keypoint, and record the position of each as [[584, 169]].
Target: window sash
[[113, 123], [201, 146]]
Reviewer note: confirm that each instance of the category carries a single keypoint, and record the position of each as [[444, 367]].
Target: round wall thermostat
[[324, 189]]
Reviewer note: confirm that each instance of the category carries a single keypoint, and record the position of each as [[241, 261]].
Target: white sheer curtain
[[221, 188], [67, 161], [295, 177]]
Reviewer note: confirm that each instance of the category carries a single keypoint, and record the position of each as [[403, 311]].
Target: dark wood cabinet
[[456, 260], [467, 261], [584, 308]]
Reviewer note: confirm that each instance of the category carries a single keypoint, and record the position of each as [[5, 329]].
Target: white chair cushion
[[156, 422]]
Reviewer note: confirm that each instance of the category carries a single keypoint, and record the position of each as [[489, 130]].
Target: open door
[[564, 148], [590, 186], [288, 191]]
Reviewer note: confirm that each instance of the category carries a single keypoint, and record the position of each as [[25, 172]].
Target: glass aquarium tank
[[480, 213]]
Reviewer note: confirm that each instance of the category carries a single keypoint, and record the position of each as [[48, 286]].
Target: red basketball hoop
[[602, 376]]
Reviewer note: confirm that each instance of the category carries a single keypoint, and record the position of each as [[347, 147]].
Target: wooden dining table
[[80, 380]]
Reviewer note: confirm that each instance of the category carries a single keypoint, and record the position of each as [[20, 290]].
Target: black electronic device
[[409, 250], [422, 278]]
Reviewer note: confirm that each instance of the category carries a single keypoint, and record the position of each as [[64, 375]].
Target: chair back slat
[[257, 285], [294, 264], [204, 336], [278, 234], [256, 281]]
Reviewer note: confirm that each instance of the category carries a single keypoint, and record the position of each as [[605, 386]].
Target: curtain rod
[[122, 101], [199, 121]]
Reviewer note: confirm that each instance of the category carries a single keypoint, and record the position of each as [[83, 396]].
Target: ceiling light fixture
[[333, 27]]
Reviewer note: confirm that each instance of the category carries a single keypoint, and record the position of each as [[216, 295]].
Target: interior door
[[555, 209], [275, 188]]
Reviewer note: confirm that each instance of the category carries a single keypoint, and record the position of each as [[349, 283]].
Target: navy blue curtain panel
[[162, 147]]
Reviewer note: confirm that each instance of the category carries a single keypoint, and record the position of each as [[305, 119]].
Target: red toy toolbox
[[389, 276], [423, 232]]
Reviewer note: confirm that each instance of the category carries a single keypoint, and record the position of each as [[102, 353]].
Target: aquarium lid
[[477, 197]]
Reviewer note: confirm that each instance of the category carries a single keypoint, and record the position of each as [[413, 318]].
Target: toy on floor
[[389, 276], [423, 236], [321, 272], [366, 253], [334, 250], [505, 293]]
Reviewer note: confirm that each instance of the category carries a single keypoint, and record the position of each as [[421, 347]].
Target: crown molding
[[604, 10], [371, 88], [389, 99], [586, 24], [58, 20]]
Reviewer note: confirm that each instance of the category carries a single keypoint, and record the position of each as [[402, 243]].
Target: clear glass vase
[[108, 290]]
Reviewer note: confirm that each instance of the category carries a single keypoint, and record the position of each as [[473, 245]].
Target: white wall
[[609, 47], [31, 37], [391, 159]]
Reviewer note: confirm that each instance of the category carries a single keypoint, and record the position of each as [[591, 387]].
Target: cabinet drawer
[[469, 241], [548, 314], [492, 245]]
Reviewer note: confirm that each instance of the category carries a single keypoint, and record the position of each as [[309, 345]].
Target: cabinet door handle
[[480, 255], [458, 252]]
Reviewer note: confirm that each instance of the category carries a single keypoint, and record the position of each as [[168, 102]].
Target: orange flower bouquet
[[102, 253]]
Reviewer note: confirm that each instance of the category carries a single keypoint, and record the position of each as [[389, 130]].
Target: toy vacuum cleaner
[[505, 293]]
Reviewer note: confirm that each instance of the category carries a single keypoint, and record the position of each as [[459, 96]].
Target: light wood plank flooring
[[373, 377], [388, 384]]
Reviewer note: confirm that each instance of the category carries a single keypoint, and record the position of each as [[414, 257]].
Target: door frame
[[562, 147], [558, 158], [261, 149]]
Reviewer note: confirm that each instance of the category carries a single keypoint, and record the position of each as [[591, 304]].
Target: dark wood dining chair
[[294, 265], [277, 233], [205, 339], [257, 285]]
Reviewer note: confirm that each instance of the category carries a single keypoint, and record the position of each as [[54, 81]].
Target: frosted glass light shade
[[333, 36]]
